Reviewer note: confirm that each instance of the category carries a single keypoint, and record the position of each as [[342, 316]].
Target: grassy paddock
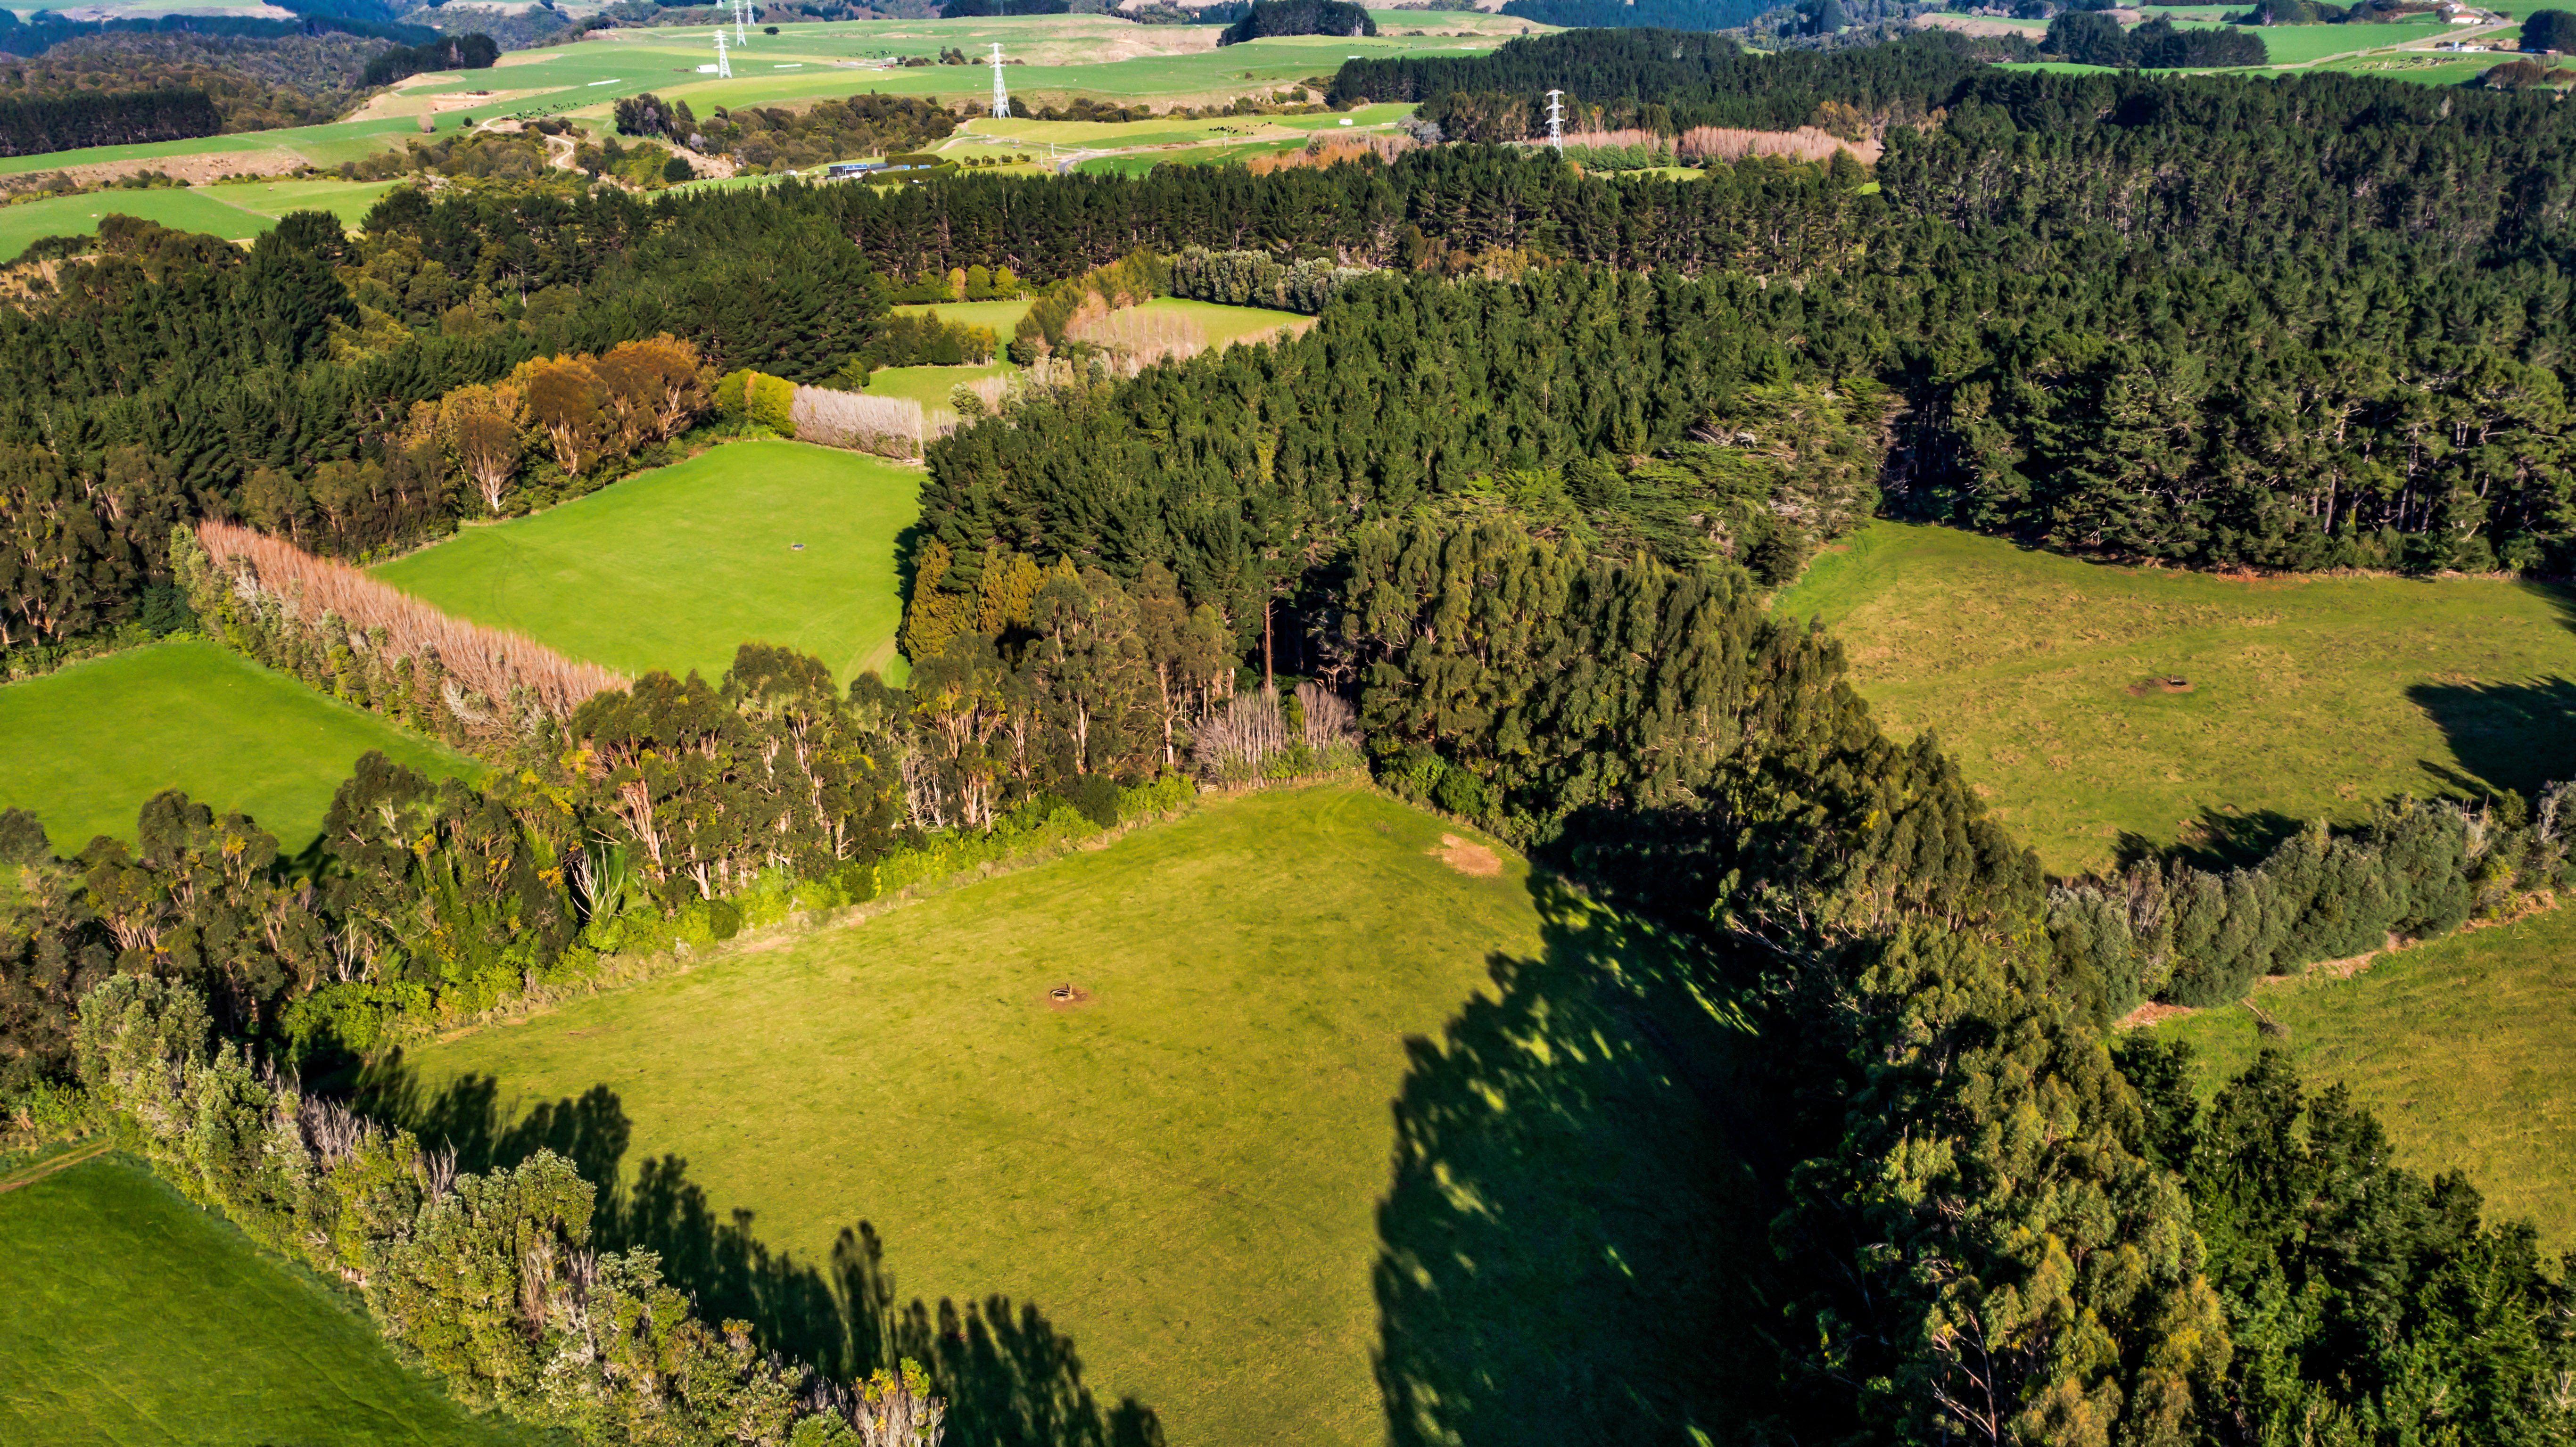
[[675, 568], [235, 213], [2461, 1047], [2308, 696], [133, 1317], [83, 748], [1188, 1174]]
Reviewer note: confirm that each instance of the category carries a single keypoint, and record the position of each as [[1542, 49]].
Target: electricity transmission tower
[[1001, 92], [741, 22], [724, 67], [1556, 122]]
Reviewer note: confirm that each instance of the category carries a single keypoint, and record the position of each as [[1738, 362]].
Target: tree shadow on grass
[[2218, 841], [1010, 1378], [2518, 736], [1569, 1241]]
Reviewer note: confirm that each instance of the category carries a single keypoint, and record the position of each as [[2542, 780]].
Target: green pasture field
[[2420, 68], [930, 386], [1122, 165], [1186, 1176], [2460, 1046], [2305, 44], [675, 568], [134, 1317], [1224, 324], [325, 145], [1001, 316], [82, 749], [2307, 696], [235, 212]]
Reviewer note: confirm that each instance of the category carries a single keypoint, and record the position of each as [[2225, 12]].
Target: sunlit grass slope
[[2307, 696], [130, 1317], [83, 748], [2461, 1046], [1188, 1175], [675, 568]]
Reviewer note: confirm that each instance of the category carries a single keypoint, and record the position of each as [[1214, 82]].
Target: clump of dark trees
[[768, 136], [472, 51], [1298, 17], [111, 118], [2090, 37]]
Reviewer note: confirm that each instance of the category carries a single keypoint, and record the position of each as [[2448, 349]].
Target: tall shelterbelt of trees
[[105, 118]]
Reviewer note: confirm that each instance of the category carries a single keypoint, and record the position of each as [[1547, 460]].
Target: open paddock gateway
[[2092, 705], [1271, 1121], [751, 542], [132, 1317], [82, 748]]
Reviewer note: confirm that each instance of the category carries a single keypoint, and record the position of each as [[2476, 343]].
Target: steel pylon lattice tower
[[724, 67], [741, 22], [1556, 122], [1001, 92]]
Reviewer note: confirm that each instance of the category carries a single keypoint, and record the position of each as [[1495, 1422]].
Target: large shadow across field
[[1011, 1379], [2508, 735], [1568, 1241], [1572, 1225]]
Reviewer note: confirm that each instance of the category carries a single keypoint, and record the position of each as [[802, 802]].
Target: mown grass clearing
[[2305, 696], [2462, 1048], [1186, 1170], [82, 749], [675, 568], [134, 1317]]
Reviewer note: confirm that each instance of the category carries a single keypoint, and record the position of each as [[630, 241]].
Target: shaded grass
[[2309, 696], [1188, 1176], [133, 1317], [675, 568], [2460, 1046], [84, 747]]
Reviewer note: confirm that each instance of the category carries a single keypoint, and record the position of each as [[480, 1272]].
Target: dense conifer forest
[[1505, 518]]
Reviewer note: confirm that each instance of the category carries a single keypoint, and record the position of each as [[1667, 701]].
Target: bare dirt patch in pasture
[[1067, 996], [1468, 858], [2168, 683]]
